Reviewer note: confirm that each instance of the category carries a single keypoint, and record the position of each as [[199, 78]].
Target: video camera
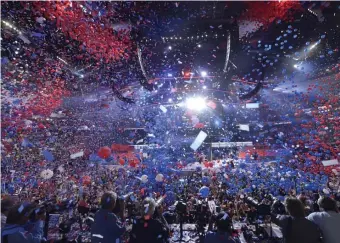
[[201, 206], [65, 227], [261, 209], [181, 207], [127, 197]]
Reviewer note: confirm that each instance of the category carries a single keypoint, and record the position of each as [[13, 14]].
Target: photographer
[[295, 227], [83, 206], [6, 204], [328, 220], [149, 228], [14, 230], [224, 230], [106, 227]]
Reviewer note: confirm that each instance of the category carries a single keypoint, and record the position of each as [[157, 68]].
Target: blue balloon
[[11, 189], [205, 180], [48, 155], [26, 143], [204, 191], [170, 197], [94, 157]]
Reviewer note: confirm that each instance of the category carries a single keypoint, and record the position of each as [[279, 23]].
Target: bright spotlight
[[296, 66], [169, 47], [195, 103], [204, 87], [170, 100], [198, 45], [203, 73], [169, 74]]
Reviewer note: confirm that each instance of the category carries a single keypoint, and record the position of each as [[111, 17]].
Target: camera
[[65, 227], [278, 207], [120, 200], [261, 208], [181, 207]]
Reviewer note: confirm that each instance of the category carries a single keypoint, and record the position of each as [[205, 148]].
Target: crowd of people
[[201, 198]]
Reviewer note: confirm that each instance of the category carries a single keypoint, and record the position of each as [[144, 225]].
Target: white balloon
[[144, 178], [326, 190], [61, 169], [28, 123], [159, 177], [40, 20]]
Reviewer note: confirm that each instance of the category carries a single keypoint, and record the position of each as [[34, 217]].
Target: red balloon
[[199, 125], [121, 161], [41, 126], [132, 163], [104, 152], [86, 180]]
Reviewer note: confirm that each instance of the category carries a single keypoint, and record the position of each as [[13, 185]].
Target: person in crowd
[[14, 229], [295, 227], [306, 206], [315, 206], [83, 206], [6, 204], [251, 214], [224, 230], [328, 220], [278, 207], [151, 227], [106, 227]]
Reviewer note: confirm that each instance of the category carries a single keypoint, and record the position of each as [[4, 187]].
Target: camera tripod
[[181, 237]]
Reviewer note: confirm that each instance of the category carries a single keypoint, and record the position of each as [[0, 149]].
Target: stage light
[[203, 73], [170, 47], [170, 100], [204, 87], [296, 66], [199, 45], [195, 103], [169, 74], [313, 46]]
